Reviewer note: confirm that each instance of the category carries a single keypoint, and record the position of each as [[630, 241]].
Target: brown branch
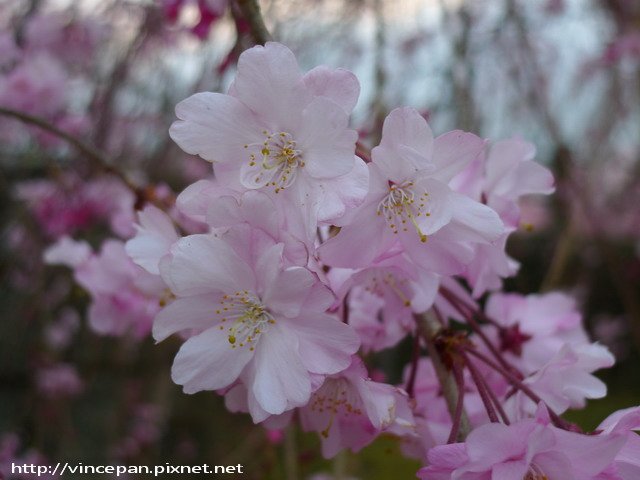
[[93, 155], [251, 13], [429, 328]]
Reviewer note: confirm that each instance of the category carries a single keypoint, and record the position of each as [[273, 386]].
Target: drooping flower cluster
[[298, 254]]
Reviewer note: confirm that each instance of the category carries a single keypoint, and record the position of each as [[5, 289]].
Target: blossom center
[[336, 397], [244, 317], [275, 161], [386, 280], [535, 473], [401, 208]]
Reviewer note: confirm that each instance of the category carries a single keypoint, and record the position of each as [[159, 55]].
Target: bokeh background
[[563, 74]]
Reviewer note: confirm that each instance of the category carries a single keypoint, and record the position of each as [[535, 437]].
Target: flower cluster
[[298, 254]]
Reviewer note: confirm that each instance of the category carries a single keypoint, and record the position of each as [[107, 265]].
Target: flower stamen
[[247, 318], [400, 207], [277, 161]]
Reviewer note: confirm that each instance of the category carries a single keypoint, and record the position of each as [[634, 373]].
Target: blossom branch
[[429, 329]]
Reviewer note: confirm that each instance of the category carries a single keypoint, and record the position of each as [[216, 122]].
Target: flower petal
[[204, 263], [214, 126], [208, 362], [185, 313], [326, 344], [453, 151], [327, 144], [339, 85], [281, 379], [269, 82]]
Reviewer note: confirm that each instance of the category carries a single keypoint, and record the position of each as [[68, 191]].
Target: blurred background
[[563, 74]]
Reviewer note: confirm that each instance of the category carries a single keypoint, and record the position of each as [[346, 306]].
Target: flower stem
[[471, 321], [517, 383], [290, 453]]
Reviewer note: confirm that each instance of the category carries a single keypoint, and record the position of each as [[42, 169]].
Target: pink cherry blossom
[[349, 410], [36, 86], [72, 205], [626, 465], [410, 205], [566, 380], [125, 298], [278, 130], [382, 299], [269, 325], [535, 327], [531, 449], [59, 381], [500, 177], [154, 236]]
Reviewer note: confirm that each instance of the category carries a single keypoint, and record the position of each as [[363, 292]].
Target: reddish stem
[[517, 383], [490, 393], [455, 302], [482, 390]]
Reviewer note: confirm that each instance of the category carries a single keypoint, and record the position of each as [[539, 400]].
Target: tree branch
[[429, 329], [251, 13], [95, 156]]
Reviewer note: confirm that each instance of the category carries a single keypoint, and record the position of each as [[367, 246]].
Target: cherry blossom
[[269, 324], [409, 204]]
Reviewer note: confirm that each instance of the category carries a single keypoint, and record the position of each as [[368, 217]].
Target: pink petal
[[155, 235], [405, 126], [509, 471], [327, 144], [325, 343], [453, 151], [474, 221], [204, 263], [281, 378], [357, 244], [269, 82], [208, 362], [214, 126], [339, 85], [185, 313], [286, 292]]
